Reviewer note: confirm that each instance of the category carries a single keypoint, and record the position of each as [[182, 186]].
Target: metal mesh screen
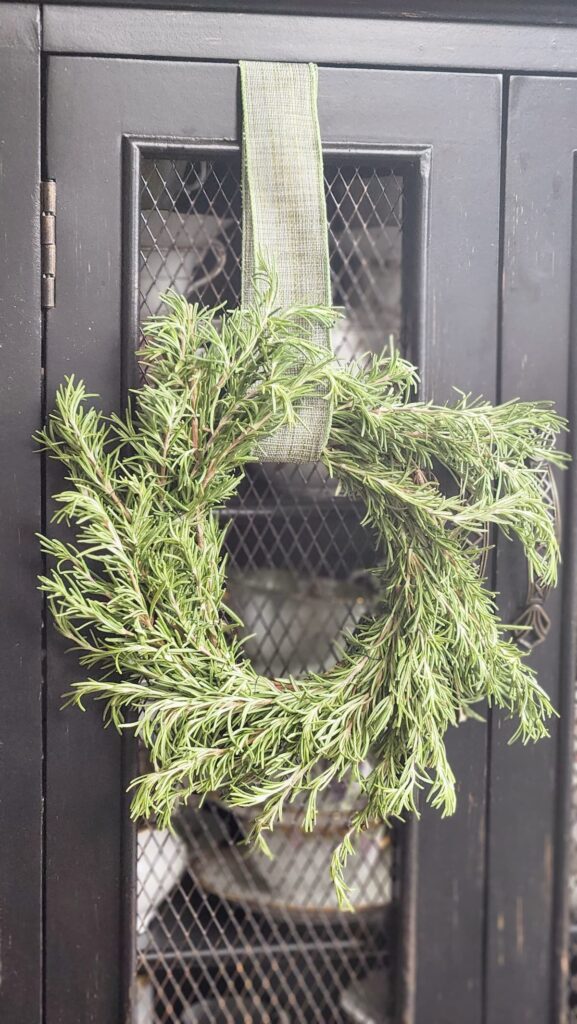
[[572, 994], [223, 934]]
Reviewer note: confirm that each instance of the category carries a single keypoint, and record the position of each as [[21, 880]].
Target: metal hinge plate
[[48, 243]]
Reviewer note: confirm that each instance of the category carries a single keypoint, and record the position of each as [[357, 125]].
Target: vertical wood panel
[[526, 825], [20, 505], [91, 106], [460, 350]]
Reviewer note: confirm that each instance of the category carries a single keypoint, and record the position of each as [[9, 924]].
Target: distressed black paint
[[20, 509], [549, 12], [206, 35], [527, 823], [483, 937]]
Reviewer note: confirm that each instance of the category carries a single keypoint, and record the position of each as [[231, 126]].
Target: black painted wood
[[455, 121], [527, 941], [20, 510], [203, 35], [448, 908], [91, 105], [560, 12], [457, 964]]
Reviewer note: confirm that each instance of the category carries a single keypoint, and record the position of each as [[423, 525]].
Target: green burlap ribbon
[[285, 219]]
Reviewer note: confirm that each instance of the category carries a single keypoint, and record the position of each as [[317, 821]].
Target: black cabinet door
[[443, 132]]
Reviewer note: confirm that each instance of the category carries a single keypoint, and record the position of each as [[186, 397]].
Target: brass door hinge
[[48, 243]]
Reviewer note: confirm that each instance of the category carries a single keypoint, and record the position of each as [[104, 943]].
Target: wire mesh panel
[[572, 994], [224, 934]]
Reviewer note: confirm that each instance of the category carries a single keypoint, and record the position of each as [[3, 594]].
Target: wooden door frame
[[328, 39], [21, 686], [538, 12]]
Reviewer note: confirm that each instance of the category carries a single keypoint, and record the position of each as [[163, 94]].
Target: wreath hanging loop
[[141, 590]]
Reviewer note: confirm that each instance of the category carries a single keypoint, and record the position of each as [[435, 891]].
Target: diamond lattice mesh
[[572, 993], [224, 935]]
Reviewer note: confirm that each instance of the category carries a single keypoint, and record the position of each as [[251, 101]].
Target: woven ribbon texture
[[285, 219]]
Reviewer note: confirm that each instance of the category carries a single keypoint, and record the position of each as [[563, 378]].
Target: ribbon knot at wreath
[[140, 588]]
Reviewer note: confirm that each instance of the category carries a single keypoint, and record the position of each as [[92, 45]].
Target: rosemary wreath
[[141, 591]]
